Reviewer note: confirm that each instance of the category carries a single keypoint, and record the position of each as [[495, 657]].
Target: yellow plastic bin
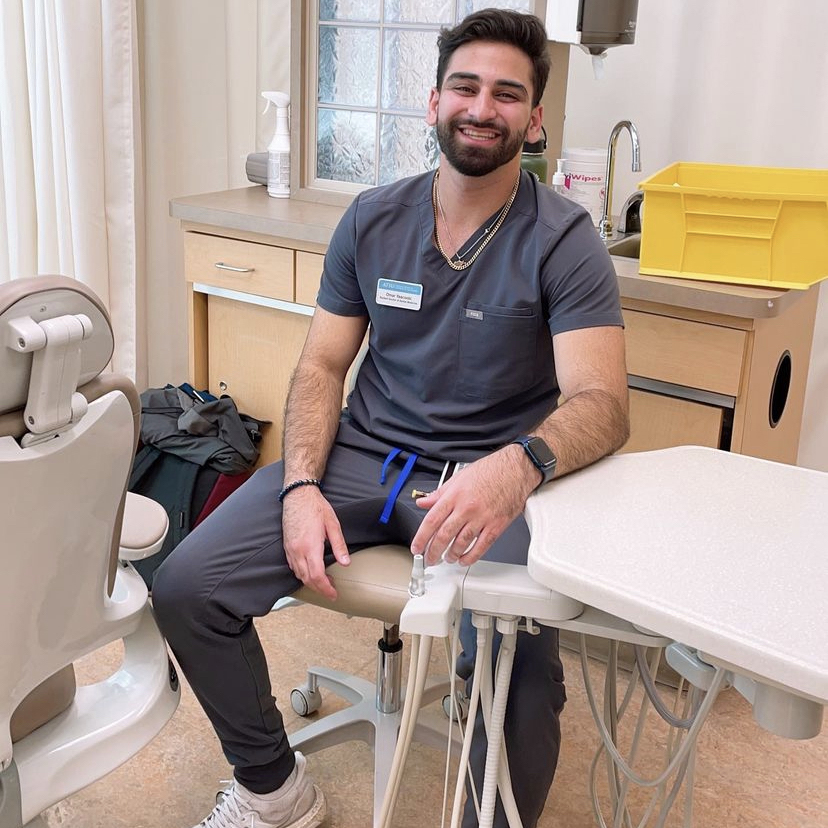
[[749, 225]]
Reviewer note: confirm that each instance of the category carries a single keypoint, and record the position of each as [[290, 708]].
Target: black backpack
[[190, 441]]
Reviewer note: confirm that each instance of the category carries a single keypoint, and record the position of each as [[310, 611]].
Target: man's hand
[[467, 514], [308, 520]]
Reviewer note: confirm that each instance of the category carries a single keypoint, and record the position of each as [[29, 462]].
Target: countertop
[[720, 551], [251, 210]]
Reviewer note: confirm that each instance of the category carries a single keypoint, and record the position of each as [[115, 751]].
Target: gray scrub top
[[461, 362]]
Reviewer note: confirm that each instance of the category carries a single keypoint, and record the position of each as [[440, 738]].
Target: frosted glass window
[[420, 11], [376, 63], [407, 146], [469, 6], [346, 146], [367, 10], [348, 66], [409, 59]]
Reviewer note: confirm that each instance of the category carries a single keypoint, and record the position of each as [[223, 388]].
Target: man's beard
[[477, 161]]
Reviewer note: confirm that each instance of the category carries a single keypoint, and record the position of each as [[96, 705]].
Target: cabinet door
[[657, 421], [252, 352]]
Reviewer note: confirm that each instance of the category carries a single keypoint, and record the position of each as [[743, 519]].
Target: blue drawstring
[[400, 482], [391, 455]]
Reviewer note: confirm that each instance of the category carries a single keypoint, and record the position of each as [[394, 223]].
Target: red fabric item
[[224, 487]]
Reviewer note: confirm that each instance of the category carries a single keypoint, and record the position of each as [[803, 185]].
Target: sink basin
[[626, 247]]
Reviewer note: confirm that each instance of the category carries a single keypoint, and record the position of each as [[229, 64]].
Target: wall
[[736, 82], [203, 63]]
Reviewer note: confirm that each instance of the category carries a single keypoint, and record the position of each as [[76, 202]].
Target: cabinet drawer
[[658, 422], [693, 354], [308, 276], [239, 265]]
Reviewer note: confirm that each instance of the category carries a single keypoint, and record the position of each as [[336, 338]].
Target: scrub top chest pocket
[[497, 350]]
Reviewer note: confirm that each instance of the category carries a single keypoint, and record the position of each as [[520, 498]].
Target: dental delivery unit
[[717, 562]]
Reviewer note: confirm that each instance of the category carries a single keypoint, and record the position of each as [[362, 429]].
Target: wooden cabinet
[[248, 320], [720, 380], [308, 276], [242, 266]]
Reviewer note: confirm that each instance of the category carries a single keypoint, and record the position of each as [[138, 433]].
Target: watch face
[[540, 452]]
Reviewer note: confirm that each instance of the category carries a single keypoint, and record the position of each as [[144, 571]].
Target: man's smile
[[478, 147], [478, 133]]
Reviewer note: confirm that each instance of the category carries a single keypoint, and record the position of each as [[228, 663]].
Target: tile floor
[[745, 777]]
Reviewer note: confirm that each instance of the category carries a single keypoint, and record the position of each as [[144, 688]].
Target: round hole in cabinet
[[779, 390]]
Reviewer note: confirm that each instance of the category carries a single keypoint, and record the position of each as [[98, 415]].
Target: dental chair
[[67, 438]]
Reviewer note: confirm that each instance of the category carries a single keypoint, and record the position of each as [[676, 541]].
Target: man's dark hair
[[524, 31]]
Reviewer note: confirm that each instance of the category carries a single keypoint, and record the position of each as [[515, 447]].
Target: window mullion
[[378, 123]]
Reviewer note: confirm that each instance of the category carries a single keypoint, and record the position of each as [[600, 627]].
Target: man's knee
[[176, 591]]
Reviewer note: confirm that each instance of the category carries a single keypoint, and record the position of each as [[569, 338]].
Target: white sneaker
[[297, 804]]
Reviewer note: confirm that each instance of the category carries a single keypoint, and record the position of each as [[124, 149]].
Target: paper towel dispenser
[[595, 25]]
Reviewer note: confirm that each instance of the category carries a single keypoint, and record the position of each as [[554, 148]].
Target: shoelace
[[228, 811]]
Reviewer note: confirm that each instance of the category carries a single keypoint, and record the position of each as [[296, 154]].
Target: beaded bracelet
[[308, 481]]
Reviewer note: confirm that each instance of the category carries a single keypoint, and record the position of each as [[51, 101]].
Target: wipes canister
[[585, 169]]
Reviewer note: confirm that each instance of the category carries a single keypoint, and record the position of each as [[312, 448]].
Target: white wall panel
[[735, 82], [204, 65]]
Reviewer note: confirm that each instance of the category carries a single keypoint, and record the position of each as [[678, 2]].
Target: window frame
[[304, 184]]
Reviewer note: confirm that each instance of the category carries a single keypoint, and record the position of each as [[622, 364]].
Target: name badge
[[408, 295]]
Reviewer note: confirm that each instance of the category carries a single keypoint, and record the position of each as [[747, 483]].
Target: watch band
[[540, 455]]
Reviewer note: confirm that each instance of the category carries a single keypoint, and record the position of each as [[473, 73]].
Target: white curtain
[[71, 192]]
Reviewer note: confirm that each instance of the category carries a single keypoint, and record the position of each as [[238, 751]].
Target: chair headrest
[[38, 315]]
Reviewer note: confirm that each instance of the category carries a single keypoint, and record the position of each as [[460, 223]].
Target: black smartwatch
[[541, 456]]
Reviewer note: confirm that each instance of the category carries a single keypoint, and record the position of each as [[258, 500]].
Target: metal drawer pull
[[223, 266]]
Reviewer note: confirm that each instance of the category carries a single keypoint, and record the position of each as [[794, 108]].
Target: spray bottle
[[278, 150]]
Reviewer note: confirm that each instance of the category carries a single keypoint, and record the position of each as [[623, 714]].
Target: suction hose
[[417, 675], [494, 730], [481, 661]]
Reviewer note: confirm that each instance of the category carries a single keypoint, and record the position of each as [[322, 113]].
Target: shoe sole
[[315, 814]]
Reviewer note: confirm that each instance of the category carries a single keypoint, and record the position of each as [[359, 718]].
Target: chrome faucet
[[605, 227]]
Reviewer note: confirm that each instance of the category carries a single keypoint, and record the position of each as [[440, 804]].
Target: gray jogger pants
[[232, 568]]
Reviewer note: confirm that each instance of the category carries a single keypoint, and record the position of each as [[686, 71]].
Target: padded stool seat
[[373, 585]]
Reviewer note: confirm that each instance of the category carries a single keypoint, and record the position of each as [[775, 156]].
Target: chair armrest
[[144, 528]]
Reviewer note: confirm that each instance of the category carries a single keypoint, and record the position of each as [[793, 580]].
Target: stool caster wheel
[[461, 706], [305, 701]]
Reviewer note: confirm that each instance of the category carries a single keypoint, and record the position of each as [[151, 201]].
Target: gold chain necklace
[[457, 262]]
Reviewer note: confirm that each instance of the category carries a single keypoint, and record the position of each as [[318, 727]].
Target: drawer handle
[[223, 266]]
